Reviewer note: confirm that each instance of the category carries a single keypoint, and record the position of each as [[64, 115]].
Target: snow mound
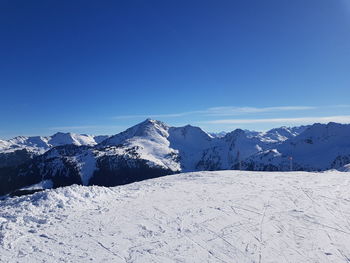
[[45, 184], [226, 216]]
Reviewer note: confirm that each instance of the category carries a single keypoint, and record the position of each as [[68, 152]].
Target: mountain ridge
[[152, 149]]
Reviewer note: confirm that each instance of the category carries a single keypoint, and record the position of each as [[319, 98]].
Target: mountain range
[[152, 149]]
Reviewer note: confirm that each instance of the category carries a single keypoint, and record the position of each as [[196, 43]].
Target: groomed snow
[[226, 216]]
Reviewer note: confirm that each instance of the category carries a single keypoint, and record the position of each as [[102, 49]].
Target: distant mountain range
[[41, 144], [152, 148]]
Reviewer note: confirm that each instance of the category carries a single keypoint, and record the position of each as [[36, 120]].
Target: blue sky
[[99, 67]]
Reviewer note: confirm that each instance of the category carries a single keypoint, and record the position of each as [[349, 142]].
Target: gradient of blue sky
[[101, 66]]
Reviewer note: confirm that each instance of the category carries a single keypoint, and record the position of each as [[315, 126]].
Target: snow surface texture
[[226, 216]]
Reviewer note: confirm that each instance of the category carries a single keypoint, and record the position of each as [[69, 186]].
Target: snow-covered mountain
[[222, 216], [152, 149], [40, 144], [217, 134], [190, 143], [226, 152], [281, 134], [319, 147]]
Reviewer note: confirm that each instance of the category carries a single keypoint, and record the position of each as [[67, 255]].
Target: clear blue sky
[[101, 66]]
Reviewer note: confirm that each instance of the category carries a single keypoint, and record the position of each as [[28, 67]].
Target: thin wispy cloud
[[226, 111], [170, 115], [87, 127], [301, 120], [344, 106], [222, 111], [221, 116]]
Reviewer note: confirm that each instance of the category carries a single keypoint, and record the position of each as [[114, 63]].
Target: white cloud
[[87, 127], [302, 120], [225, 111], [170, 115], [219, 111]]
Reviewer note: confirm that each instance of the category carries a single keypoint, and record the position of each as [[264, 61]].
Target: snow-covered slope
[[226, 216], [35, 144], [226, 152], [149, 140], [281, 134], [217, 134], [71, 138], [320, 147], [345, 168], [190, 142], [243, 145], [40, 144]]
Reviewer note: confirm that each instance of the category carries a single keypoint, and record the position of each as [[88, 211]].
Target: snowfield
[[224, 216]]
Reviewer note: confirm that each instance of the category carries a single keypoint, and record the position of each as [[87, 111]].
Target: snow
[[86, 164], [45, 184], [218, 134], [237, 145], [156, 153], [71, 138], [149, 138], [190, 142], [319, 145], [281, 134], [345, 168], [41, 144], [35, 144], [149, 129], [225, 216]]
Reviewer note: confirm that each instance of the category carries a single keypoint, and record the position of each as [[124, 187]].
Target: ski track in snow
[[225, 216]]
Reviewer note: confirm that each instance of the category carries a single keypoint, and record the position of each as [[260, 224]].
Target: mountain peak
[[61, 138], [148, 129], [60, 133], [235, 133], [150, 121]]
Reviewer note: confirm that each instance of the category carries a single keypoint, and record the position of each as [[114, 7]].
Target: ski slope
[[224, 216]]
